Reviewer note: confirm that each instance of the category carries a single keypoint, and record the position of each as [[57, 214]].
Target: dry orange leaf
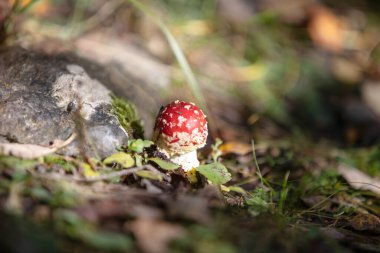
[[154, 236], [39, 8], [346, 70], [365, 222], [326, 29], [235, 147]]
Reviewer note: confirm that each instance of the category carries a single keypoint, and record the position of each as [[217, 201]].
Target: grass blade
[[182, 61]]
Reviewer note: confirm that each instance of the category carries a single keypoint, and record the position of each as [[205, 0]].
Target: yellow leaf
[[149, 174], [326, 29], [237, 189], [224, 188], [88, 172], [124, 159], [235, 147], [164, 164], [192, 176]]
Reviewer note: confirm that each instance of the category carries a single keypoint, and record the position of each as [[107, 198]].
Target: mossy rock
[[128, 117]]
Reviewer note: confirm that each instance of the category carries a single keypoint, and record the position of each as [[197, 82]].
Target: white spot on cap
[[181, 119]]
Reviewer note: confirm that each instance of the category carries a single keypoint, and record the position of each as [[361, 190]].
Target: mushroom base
[[188, 161]]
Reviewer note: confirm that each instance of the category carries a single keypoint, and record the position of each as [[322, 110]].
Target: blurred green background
[[266, 68]]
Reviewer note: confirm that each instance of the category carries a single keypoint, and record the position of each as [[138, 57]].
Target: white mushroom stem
[[188, 161]]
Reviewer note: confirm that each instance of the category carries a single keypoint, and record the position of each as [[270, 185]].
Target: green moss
[[365, 159], [128, 117], [325, 182]]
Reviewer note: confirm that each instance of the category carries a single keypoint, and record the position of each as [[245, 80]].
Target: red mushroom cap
[[180, 127]]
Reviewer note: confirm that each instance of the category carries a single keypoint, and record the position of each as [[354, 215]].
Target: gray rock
[[135, 74], [45, 97]]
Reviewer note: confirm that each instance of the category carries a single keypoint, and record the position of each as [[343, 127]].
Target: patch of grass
[[328, 196], [283, 193], [325, 182], [259, 201], [365, 159], [63, 196]]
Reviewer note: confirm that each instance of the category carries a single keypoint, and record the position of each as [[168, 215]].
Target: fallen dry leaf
[[346, 70], [365, 222], [235, 147], [326, 29], [153, 236], [31, 151], [358, 179], [39, 8]]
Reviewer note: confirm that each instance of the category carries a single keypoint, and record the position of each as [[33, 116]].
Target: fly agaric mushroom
[[181, 129]]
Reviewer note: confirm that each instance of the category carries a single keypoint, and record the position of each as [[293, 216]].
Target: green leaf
[[217, 173], [19, 175], [148, 143], [16, 163], [136, 146], [40, 193], [258, 201], [139, 145], [149, 174], [139, 160], [124, 159], [237, 189], [55, 159], [164, 164]]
